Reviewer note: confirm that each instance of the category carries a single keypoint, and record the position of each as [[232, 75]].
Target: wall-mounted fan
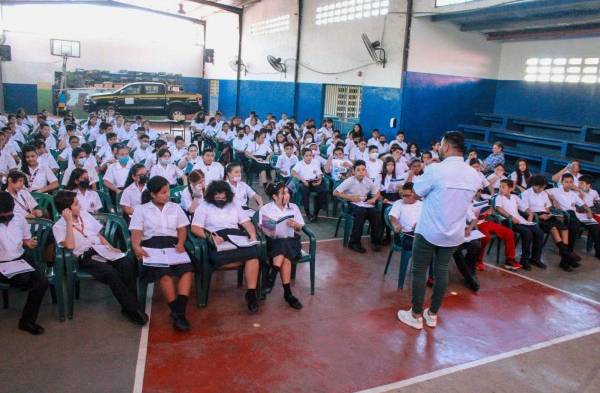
[[375, 50], [277, 64], [233, 64]]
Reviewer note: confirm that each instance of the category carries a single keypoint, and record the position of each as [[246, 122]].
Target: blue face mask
[[123, 160]]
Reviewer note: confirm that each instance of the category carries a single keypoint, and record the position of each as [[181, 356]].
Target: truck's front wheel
[[177, 113]]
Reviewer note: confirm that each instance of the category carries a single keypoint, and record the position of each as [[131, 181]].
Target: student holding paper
[[79, 232], [282, 221], [159, 223], [218, 218], [308, 171], [404, 215], [14, 236], [532, 237]]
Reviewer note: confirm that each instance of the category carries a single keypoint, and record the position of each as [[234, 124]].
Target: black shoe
[[136, 316], [573, 260], [269, 283], [564, 265], [293, 302], [574, 257], [472, 283], [526, 265], [31, 327], [386, 241], [180, 323], [314, 218], [358, 248], [252, 303], [539, 264], [375, 247]]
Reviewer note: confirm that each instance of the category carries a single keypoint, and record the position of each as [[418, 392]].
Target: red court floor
[[347, 337]]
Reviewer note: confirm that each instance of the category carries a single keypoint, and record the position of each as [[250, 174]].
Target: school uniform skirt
[[553, 222], [259, 166], [289, 247], [155, 273], [242, 254]]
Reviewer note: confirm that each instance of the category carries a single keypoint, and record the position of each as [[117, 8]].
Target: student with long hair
[[166, 168], [79, 183], [25, 204], [40, 178], [521, 175], [134, 187], [193, 194]]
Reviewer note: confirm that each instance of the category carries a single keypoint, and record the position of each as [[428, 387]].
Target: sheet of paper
[[363, 204], [12, 268], [225, 246], [156, 257], [177, 258], [242, 241], [474, 236], [108, 253]]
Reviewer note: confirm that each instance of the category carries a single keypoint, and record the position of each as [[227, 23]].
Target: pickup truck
[[145, 98]]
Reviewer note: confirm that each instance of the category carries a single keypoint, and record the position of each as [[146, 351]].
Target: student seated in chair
[[283, 239], [532, 237], [589, 196], [212, 170], [194, 192], [521, 175], [14, 236], [134, 187], [286, 161], [466, 255], [40, 178], [165, 168], [89, 200], [77, 231], [404, 215], [25, 205], [535, 201], [217, 218], [160, 223], [338, 166], [363, 195], [242, 192], [308, 171], [566, 199]]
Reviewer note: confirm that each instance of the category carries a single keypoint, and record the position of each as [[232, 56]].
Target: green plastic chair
[[405, 255], [107, 204], [46, 203], [328, 185], [42, 228], [175, 194], [116, 232]]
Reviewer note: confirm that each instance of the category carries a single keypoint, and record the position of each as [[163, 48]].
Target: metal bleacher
[[547, 146]]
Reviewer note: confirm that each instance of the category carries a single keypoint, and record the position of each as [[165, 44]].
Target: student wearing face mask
[[116, 174], [79, 182], [144, 152], [374, 165], [165, 168], [308, 171], [80, 161], [242, 192], [15, 236], [193, 194], [186, 164], [134, 187], [217, 218]]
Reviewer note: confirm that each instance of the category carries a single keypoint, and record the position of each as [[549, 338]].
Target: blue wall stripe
[[17, 95]]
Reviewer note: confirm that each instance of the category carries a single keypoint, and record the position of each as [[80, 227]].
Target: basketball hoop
[[64, 49]]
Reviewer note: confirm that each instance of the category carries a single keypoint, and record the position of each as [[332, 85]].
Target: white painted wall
[[111, 38], [222, 36], [441, 48], [514, 54]]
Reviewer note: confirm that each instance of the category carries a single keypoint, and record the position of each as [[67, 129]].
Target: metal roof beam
[[224, 7]]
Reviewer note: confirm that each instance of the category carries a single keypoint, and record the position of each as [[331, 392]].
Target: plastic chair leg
[[198, 286], [312, 276], [347, 229], [240, 276], [5, 298], [492, 241], [337, 226], [53, 294], [498, 252], [142, 291], [389, 259], [404, 259], [294, 265], [205, 288]]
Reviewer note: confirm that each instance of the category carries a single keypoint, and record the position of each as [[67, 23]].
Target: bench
[[522, 142], [479, 133], [492, 119], [537, 163], [584, 152]]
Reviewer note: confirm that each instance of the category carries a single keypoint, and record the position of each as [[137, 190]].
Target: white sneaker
[[430, 320], [405, 316]]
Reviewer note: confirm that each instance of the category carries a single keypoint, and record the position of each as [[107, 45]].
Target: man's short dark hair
[[408, 186], [358, 163], [588, 179], [567, 176], [508, 182], [538, 180], [456, 140], [64, 199]]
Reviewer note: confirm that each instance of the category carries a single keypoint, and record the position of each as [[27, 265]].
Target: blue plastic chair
[[405, 255]]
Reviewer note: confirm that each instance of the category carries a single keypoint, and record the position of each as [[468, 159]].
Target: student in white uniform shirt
[[415, 171], [105, 152], [242, 192], [573, 168], [134, 187], [374, 165], [401, 163], [116, 173], [259, 152], [399, 141], [497, 176], [90, 128], [309, 173], [102, 135], [25, 204], [15, 236], [532, 237], [566, 199], [286, 161], [166, 168], [197, 126], [44, 157], [486, 186], [79, 183], [240, 144], [46, 133], [80, 160], [361, 152], [179, 151], [187, 162], [194, 192], [325, 132], [283, 239], [405, 214], [126, 133], [152, 134], [144, 152], [521, 175], [362, 195], [160, 223], [40, 178], [536, 202], [219, 217], [587, 194], [212, 170], [78, 232]]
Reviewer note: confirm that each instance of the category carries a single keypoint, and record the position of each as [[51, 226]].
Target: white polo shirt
[[511, 205], [448, 189], [308, 172], [264, 149], [272, 211], [566, 200], [40, 177], [240, 144], [401, 167], [11, 238], [356, 154], [285, 164], [406, 214], [211, 173], [213, 219], [24, 203], [242, 192], [169, 172], [131, 196], [92, 174], [513, 177], [589, 197], [153, 221], [89, 201], [496, 183], [48, 160], [85, 232], [117, 173], [140, 154], [374, 169], [536, 202]]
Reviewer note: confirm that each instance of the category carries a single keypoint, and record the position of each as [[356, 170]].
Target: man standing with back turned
[[447, 190]]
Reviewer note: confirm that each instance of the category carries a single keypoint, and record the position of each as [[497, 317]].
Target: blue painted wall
[[17, 95], [192, 84], [561, 102], [433, 104], [311, 97], [266, 97], [378, 105]]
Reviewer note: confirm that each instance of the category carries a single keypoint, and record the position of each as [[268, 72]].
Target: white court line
[[140, 366], [486, 360], [587, 299]]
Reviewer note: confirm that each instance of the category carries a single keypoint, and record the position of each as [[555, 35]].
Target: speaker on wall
[[5, 53], [209, 56], [393, 122]]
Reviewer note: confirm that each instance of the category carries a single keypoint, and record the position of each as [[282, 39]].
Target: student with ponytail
[[194, 191], [134, 186]]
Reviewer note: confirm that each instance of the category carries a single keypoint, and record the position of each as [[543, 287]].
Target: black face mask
[[220, 204], [84, 184], [143, 179], [5, 219]]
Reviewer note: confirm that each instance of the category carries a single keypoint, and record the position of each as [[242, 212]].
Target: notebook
[[107, 253], [13, 268], [164, 257]]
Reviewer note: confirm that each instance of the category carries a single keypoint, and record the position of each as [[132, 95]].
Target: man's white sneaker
[[430, 320], [405, 316]]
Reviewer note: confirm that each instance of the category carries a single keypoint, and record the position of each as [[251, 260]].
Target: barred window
[[342, 101]]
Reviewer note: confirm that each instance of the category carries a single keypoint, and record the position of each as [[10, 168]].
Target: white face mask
[[81, 161], [197, 191], [309, 140], [373, 156], [164, 161], [237, 178]]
